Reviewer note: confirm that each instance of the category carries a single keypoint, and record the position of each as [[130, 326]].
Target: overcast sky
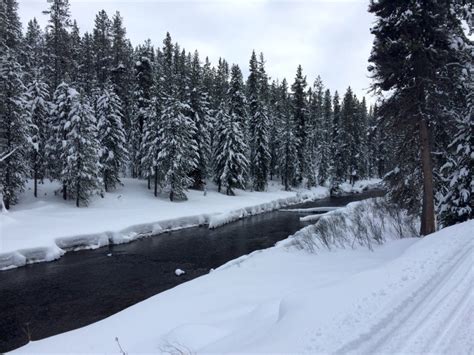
[[328, 38]]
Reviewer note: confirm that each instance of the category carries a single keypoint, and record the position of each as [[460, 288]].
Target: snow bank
[[410, 295], [43, 229], [360, 185], [365, 223], [231, 216]]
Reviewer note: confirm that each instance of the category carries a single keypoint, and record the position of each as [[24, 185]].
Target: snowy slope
[[409, 295], [42, 229]]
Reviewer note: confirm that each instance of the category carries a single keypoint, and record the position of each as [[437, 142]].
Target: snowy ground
[[407, 296], [42, 229]]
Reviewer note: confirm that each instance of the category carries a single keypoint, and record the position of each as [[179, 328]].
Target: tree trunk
[[156, 181], [149, 183], [64, 191], [427, 213], [35, 190], [77, 194], [105, 182]]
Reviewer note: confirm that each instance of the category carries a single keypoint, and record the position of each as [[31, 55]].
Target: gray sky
[[328, 38]]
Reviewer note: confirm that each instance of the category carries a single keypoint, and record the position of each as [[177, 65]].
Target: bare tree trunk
[[427, 213], [64, 192], [78, 190], [105, 182], [35, 191], [156, 181]]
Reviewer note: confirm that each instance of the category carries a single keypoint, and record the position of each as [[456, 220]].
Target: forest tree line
[[91, 107], [86, 109]]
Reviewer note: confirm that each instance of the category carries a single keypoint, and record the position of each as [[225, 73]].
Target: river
[[41, 300]]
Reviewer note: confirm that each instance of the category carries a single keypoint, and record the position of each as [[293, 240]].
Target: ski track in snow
[[429, 318]]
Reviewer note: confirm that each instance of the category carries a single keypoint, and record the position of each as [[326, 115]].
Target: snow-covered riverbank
[[407, 296], [43, 229]]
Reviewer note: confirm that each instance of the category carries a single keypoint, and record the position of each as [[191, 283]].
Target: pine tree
[[113, 153], [81, 170], [456, 203], [348, 132], [456, 196], [151, 142], [102, 47], [338, 168], [144, 74], [75, 53], [230, 161], [34, 47], [14, 129], [177, 155], [122, 67], [200, 114], [273, 140], [325, 146], [410, 57], [38, 108], [288, 148], [58, 127], [300, 116], [257, 94], [87, 79], [10, 26], [57, 41]]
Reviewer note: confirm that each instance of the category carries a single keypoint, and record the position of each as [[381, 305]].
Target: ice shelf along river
[[41, 300]]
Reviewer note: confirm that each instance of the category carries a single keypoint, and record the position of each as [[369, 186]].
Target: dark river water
[[41, 300]]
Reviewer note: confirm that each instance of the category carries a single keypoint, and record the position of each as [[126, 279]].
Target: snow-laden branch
[[2, 158]]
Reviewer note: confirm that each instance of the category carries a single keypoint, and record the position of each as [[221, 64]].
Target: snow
[[179, 272], [409, 295], [360, 185], [43, 229]]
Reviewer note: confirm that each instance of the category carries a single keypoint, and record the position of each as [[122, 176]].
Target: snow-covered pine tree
[[113, 152], [81, 172], [200, 113], [411, 58], [38, 108], [34, 50], [300, 117], [231, 163], [325, 146], [177, 155], [361, 141], [122, 68], [58, 128], [315, 129], [348, 135], [57, 41], [15, 127], [10, 26], [456, 203], [288, 147], [87, 79], [151, 143], [257, 95], [338, 171], [144, 76], [102, 45], [273, 140], [75, 53]]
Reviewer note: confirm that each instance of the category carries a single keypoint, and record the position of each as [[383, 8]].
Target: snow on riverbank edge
[[61, 245]]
